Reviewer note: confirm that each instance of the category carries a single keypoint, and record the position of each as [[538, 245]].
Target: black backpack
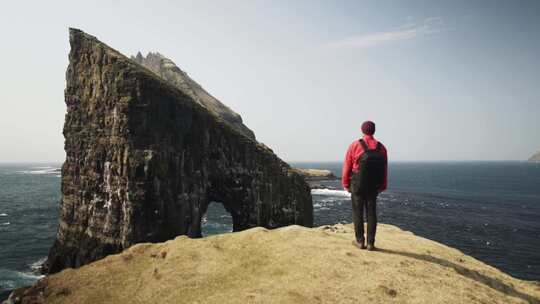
[[372, 169]]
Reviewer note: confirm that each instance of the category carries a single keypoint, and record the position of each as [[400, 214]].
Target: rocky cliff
[[144, 159], [316, 174], [535, 158], [286, 265], [166, 69]]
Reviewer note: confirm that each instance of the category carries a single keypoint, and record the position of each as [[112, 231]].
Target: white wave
[[322, 204], [12, 278], [326, 204], [41, 171], [29, 275], [5, 224], [37, 265], [3, 214], [7, 284], [329, 199], [330, 192]]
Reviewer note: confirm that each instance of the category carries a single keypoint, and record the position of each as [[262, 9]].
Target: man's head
[[368, 127]]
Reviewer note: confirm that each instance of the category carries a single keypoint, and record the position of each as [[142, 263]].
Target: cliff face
[[535, 158], [166, 69], [144, 159], [286, 265]]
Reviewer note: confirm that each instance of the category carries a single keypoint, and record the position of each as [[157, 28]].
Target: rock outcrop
[[535, 158], [166, 69], [144, 160], [316, 174], [286, 265]]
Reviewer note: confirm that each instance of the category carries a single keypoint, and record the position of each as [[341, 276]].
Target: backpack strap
[[364, 145], [366, 148]]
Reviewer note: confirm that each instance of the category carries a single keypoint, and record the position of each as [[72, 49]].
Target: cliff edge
[[286, 265]]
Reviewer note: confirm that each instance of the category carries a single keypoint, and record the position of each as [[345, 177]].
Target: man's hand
[[347, 189]]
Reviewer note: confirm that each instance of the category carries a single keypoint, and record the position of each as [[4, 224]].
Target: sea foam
[[330, 192], [41, 171], [30, 276], [38, 265]]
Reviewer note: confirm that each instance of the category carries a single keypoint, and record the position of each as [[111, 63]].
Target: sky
[[443, 80]]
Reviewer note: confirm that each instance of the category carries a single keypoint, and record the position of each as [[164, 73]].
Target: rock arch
[[143, 161], [216, 219]]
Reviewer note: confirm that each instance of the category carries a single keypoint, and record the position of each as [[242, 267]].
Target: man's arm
[[346, 172]]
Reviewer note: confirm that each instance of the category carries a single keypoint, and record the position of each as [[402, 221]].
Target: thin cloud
[[408, 31]]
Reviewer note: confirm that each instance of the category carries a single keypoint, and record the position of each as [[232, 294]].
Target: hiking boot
[[360, 244], [371, 247]]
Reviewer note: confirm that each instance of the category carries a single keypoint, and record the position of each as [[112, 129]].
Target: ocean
[[489, 210]]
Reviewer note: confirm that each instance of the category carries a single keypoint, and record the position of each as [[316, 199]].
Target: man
[[365, 173]]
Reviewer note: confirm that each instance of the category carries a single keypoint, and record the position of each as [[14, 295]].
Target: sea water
[[29, 196], [489, 210]]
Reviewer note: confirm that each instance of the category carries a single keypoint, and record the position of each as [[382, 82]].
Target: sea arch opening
[[216, 220]]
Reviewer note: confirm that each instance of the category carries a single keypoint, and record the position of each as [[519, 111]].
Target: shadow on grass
[[469, 273]]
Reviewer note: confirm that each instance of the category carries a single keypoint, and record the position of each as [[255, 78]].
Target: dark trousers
[[368, 202]]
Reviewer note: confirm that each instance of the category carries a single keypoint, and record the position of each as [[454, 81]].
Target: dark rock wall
[[144, 160]]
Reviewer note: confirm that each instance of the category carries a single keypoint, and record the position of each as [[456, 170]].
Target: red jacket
[[351, 165]]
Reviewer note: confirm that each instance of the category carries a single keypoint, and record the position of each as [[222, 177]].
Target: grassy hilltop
[[288, 265]]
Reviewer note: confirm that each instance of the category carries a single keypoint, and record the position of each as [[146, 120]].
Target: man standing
[[365, 173]]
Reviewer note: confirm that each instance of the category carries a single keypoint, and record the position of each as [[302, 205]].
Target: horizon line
[[317, 161]]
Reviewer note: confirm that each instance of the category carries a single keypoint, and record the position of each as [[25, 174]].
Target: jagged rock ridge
[[144, 160], [167, 69], [535, 158]]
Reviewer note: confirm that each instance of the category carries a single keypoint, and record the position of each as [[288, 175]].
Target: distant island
[[535, 158], [316, 174]]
